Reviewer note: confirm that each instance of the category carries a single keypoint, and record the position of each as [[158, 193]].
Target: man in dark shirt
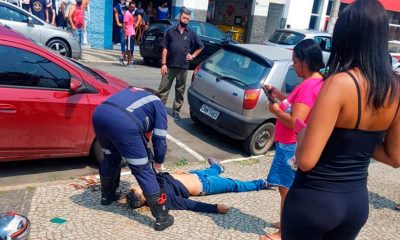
[[179, 185], [38, 8], [180, 46]]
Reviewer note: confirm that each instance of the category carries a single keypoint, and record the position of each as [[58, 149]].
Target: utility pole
[[333, 15]]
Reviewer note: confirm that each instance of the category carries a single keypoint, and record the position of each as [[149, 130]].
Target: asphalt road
[[200, 141]]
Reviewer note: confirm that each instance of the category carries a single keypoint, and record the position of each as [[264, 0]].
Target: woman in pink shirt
[[307, 62]]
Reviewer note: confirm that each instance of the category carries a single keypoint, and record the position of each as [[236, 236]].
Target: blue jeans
[[214, 184], [122, 39], [79, 35]]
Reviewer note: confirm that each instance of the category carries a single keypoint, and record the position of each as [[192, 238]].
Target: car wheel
[[60, 46], [96, 153], [261, 140]]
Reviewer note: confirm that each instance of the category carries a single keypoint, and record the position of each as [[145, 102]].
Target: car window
[[196, 27], [213, 32], [286, 38], [291, 81], [324, 43], [12, 15], [26, 69], [238, 67]]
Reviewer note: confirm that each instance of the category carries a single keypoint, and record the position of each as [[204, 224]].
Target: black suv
[[212, 37]]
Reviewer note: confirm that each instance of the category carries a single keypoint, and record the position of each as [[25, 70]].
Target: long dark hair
[[360, 40], [310, 52]]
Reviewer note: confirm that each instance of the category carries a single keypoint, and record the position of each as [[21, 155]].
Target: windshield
[[286, 38], [235, 67]]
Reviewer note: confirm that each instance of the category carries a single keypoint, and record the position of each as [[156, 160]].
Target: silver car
[[226, 93], [26, 23], [288, 38]]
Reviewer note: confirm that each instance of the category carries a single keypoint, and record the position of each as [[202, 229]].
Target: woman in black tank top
[[354, 119]]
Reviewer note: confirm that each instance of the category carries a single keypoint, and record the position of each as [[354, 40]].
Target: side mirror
[[75, 85], [30, 22]]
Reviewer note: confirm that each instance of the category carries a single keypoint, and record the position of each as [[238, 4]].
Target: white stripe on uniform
[[160, 132], [136, 161], [142, 102]]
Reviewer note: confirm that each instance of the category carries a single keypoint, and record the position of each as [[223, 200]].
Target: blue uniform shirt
[[150, 112], [38, 8]]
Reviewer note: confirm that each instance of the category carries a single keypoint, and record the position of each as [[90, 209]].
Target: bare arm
[[70, 13], [62, 8], [388, 152], [164, 56], [116, 17], [299, 110], [321, 124], [197, 52]]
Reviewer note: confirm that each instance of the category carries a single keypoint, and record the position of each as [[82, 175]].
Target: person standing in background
[[51, 13], [151, 12], [38, 8], [163, 11], [86, 7], [76, 19], [25, 5], [64, 9], [129, 32]]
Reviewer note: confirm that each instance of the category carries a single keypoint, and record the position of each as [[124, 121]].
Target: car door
[[325, 44], [18, 20], [38, 115], [213, 39]]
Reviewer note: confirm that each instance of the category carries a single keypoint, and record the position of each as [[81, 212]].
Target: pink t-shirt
[[306, 93], [128, 24]]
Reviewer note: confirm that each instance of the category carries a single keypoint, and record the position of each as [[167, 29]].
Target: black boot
[[107, 190], [116, 181], [158, 209]]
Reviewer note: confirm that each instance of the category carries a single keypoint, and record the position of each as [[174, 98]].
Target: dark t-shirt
[[179, 45], [178, 196], [38, 8]]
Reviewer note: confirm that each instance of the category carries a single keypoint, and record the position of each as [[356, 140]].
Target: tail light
[[250, 98], [196, 70]]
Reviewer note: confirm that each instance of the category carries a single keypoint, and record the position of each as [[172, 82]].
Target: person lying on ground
[[179, 185]]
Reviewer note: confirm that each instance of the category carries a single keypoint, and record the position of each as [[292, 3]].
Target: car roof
[[268, 52], [305, 31]]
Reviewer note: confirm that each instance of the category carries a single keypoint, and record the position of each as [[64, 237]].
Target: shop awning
[[392, 5]]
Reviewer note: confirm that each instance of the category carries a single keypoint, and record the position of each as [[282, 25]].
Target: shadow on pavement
[[379, 202], [91, 199], [239, 221]]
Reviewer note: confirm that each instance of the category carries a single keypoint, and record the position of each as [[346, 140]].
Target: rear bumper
[[228, 122], [150, 51]]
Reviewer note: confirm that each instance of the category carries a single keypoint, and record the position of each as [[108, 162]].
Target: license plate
[[209, 111], [150, 38]]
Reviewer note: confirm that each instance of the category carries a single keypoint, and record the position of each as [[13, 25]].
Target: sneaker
[[176, 116], [213, 161], [120, 60], [131, 65]]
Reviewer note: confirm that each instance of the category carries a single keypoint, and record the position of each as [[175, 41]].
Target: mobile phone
[[299, 125], [268, 94]]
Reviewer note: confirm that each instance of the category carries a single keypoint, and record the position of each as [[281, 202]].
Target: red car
[[47, 101]]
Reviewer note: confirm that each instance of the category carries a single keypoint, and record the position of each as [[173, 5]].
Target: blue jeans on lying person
[[214, 184]]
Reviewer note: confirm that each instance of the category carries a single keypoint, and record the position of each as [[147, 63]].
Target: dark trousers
[[312, 214], [180, 86], [119, 138]]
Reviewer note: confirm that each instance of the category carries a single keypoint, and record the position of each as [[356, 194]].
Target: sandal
[[397, 207]]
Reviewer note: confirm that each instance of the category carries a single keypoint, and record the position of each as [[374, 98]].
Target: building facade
[[250, 21]]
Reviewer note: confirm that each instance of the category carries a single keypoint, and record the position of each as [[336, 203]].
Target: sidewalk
[[251, 215], [105, 55]]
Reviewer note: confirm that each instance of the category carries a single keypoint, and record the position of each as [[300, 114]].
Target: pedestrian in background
[[86, 6], [180, 46], [307, 62], [121, 123], [129, 32], [355, 119], [51, 13], [63, 11], [163, 11], [76, 19], [25, 5], [38, 8], [151, 12]]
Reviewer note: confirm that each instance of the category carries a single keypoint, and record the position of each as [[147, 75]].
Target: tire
[[96, 153], [60, 46], [261, 140]]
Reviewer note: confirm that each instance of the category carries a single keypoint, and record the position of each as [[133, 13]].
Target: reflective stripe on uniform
[[106, 151], [160, 132], [136, 161], [142, 102]]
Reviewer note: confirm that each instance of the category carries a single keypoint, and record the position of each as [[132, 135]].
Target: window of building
[[26, 69]]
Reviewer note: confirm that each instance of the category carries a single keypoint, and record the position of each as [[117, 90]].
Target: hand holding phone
[[267, 92]]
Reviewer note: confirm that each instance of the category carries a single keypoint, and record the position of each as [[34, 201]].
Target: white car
[[41, 32], [289, 38]]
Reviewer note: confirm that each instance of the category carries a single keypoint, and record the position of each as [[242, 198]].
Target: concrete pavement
[[251, 215]]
